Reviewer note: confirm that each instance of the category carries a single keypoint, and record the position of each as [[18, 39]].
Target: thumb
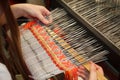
[[93, 74]]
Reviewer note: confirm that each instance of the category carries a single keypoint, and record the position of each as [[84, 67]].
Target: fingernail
[[90, 62]]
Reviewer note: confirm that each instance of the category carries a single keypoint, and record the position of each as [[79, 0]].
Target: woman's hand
[[92, 75], [31, 11], [93, 71]]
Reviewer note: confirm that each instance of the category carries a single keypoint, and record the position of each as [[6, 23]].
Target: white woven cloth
[[79, 78], [4, 73]]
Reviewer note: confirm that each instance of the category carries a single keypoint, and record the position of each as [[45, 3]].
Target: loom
[[89, 34]]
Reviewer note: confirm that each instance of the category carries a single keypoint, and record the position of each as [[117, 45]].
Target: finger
[[81, 67], [42, 19], [50, 18], [82, 72], [93, 74], [99, 69], [45, 11], [47, 14]]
